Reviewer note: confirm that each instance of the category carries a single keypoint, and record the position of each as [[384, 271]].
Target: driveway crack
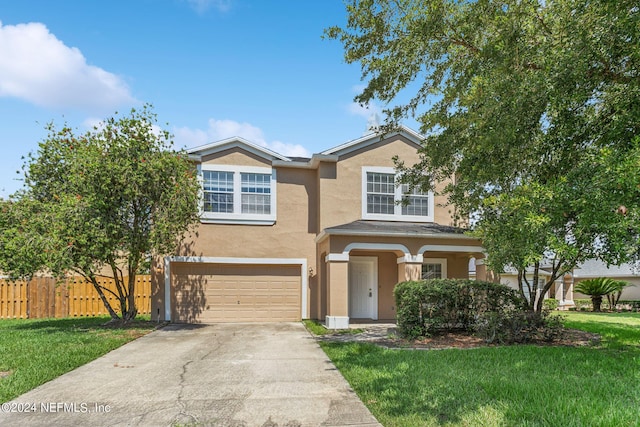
[[183, 415]]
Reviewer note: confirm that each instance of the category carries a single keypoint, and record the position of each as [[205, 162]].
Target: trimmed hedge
[[493, 311]]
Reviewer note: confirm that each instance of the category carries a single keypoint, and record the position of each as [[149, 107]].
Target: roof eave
[[311, 164], [365, 233], [358, 143], [197, 153]]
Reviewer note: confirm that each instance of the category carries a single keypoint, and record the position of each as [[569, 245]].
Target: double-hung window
[[383, 198], [218, 191], [236, 194]]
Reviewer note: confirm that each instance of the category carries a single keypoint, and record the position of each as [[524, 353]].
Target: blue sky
[[211, 68]]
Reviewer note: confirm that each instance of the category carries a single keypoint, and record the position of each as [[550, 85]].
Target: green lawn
[[35, 351], [503, 386]]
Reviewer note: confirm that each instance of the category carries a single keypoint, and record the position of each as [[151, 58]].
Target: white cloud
[[37, 67], [201, 6], [365, 111], [222, 129]]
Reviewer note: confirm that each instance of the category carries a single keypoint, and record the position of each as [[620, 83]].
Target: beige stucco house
[[284, 239]]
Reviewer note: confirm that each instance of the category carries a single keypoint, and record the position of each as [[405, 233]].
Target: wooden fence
[[75, 297]]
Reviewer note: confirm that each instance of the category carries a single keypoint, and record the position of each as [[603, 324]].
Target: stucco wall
[[341, 183]]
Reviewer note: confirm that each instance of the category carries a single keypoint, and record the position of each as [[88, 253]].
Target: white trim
[[238, 221], [304, 279], [441, 261], [337, 257], [410, 259], [234, 142], [373, 138], [344, 256], [398, 196], [167, 288], [451, 248], [237, 217], [376, 246]]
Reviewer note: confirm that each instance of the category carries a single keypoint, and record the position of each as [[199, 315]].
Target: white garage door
[[205, 293]]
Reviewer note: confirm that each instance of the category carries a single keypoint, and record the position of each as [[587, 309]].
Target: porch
[[360, 263]]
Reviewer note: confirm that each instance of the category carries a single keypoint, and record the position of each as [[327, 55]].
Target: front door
[[363, 287]]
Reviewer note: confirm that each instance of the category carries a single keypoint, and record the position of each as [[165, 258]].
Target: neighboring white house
[[627, 272], [562, 289]]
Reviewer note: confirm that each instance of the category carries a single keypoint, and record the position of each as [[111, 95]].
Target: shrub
[[519, 327], [492, 311], [426, 307], [550, 304], [582, 304]]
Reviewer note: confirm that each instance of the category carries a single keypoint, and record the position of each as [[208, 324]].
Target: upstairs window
[[218, 191], [256, 193], [381, 193], [236, 194], [417, 202], [381, 198]]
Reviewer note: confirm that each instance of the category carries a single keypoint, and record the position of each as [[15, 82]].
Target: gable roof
[[373, 138], [197, 153], [278, 159]]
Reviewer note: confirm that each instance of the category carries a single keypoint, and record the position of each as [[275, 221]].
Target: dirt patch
[[459, 340], [4, 374]]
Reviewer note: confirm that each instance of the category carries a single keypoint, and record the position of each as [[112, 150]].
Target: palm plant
[[596, 289], [614, 296]]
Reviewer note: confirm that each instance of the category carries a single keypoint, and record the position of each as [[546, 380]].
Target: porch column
[[567, 290], [337, 292], [481, 270], [409, 268]]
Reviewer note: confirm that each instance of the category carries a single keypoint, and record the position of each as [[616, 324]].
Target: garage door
[[205, 293]]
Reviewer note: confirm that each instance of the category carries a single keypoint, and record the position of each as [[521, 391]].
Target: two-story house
[[284, 239]]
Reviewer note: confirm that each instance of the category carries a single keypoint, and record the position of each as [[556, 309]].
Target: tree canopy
[[100, 203], [533, 106]]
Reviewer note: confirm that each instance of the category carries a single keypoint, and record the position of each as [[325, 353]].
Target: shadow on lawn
[[613, 336], [73, 324]]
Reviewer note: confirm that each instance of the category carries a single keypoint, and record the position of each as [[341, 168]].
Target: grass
[[618, 330], [503, 386], [317, 328], [35, 351]]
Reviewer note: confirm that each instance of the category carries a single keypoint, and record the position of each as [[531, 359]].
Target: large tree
[[100, 203], [528, 103]]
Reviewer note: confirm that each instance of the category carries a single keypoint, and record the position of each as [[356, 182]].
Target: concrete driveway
[[185, 375]]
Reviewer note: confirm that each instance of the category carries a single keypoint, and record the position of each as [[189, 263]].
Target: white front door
[[363, 287]]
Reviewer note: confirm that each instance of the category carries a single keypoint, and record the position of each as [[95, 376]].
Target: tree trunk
[[596, 301], [105, 301], [132, 310]]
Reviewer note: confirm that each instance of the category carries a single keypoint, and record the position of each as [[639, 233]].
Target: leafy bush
[[633, 305], [426, 307], [492, 311], [582, 304], [550, 304], [519, 327]]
